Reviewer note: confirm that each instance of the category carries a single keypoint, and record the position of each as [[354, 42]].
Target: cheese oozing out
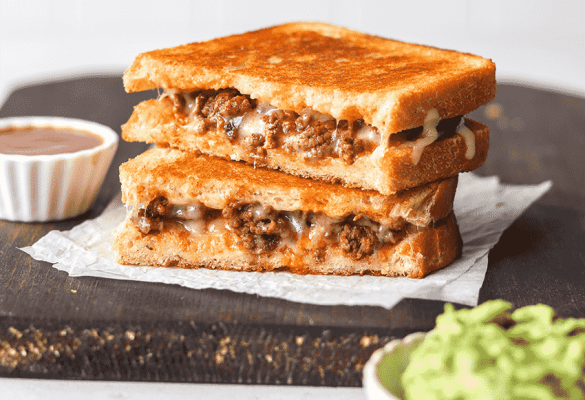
[[469, 138], [430, 135]]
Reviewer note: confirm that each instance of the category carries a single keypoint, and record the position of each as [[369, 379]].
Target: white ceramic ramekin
[[53, 187], [383, 372]]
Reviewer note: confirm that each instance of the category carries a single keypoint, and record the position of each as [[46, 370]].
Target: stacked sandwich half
[[305, 148]]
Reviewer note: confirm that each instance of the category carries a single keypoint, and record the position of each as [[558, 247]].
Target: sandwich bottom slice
[[193, 211]]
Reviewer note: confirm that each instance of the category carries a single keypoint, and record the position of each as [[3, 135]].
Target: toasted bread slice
[[185, 178], [415, 254], [388, 169], [199, 211], [339, 72]]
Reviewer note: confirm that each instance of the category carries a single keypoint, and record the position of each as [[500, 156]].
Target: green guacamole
[[488, 353]]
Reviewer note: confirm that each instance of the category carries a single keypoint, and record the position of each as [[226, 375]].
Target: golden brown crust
[[183, 178], [336, 71], [421, 252], [154, 121]]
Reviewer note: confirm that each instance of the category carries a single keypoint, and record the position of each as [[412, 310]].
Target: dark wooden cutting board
[[110, 329]]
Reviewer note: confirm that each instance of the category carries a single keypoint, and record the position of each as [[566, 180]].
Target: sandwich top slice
[[318, 101], [193, 211]]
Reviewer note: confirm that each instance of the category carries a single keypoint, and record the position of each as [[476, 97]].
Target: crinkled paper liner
[[484, 208]]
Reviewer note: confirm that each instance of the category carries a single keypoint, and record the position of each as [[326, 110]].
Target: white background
[[537, 42], [531, 41]]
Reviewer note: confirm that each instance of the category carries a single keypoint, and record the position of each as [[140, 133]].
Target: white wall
[[538, 42]]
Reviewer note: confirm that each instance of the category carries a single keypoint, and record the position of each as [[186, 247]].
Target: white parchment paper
[[483, 206]]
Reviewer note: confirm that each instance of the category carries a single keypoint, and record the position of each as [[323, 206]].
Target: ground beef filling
[[217, 109], [262, 229], [150, 218], [309, 134], [357, 241]]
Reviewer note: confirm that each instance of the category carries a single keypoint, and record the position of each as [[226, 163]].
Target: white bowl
[[383, 372], [53, 187]]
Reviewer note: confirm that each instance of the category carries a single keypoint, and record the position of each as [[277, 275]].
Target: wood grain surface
[[536, 135]]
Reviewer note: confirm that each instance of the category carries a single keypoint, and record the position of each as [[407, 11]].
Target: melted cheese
[[369, 134], [429, 135], [469, 138], [251, 122]]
